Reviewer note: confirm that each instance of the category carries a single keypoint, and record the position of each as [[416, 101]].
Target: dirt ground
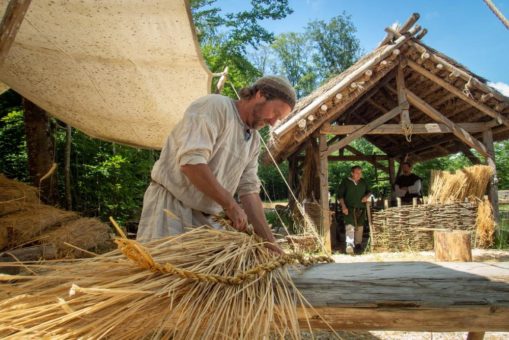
[[478, 255]]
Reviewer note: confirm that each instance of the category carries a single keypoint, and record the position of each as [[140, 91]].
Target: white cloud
[[501, 87]]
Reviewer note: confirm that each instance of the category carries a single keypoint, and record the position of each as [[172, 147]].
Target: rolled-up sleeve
[[249, 181], [196, 139]]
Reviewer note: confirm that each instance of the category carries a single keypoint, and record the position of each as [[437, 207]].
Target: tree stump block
[[452, 246]]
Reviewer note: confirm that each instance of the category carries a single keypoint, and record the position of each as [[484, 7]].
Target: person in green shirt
[[353, 194]]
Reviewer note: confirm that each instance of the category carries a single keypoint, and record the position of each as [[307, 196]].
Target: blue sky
[[465, 30]]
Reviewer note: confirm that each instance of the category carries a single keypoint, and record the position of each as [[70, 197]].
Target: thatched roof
[[367, 90]]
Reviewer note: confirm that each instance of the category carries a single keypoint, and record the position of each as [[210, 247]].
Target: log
[[407, 296], [452, 245]]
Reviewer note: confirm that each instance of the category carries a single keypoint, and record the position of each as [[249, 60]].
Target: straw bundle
[[84, 233], [485, 225], [467, 183], [14, 195], [202, 284], [29, 223]]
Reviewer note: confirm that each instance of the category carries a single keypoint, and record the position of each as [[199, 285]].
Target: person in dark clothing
[[408, 185], [353, 194]]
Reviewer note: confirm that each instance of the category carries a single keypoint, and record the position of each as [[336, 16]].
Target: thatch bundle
[[467, 183], [85, 233], [202, 284], [31, 222], [14, 195], [485, 225]]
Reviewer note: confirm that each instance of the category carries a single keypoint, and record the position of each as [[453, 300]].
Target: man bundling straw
[[210, 155]]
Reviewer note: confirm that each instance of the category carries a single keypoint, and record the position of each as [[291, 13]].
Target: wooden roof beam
[[395, 129], [459, 132], [363, 130], [480, 106], [11, 21]]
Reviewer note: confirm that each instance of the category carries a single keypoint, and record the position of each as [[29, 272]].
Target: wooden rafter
[[363, 130], [480, 106], [459, 132], [13, 17]]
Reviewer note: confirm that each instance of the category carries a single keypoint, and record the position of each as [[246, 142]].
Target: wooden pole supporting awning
[[9, 26], [408, 296]]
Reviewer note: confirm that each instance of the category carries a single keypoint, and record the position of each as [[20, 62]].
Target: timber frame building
[[407, 99]]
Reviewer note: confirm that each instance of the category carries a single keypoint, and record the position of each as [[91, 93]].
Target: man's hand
[[274, 248], [344, 210], [237, 215], [365, 199]]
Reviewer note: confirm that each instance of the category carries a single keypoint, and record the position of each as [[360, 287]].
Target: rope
[[140, 256], [408, 129]]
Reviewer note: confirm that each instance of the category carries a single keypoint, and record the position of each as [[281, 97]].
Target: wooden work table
[[408, 296]]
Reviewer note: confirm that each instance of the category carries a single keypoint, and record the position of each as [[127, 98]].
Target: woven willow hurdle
[[410, 228]]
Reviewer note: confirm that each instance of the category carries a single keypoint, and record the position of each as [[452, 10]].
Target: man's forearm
[[252, 205], [204, 180]]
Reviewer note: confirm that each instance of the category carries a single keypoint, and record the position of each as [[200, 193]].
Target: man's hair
[[353, 168], [271, 87], [407, 163]]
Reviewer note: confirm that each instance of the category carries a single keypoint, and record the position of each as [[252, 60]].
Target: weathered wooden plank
[[411, 296], [11, 21], [459, 132], [395, 129]]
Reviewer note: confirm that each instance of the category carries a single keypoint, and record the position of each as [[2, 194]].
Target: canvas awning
[[122, 71]]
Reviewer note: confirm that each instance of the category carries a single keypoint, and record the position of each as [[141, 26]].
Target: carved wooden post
[[487, 137]]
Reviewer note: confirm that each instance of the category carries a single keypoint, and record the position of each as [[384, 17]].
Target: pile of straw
[[485, 225], [467, 183], [202, 284], [14, 195], [29, 223], [85, 233]]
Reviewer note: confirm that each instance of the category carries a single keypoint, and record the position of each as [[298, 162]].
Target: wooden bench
[[408, 296]]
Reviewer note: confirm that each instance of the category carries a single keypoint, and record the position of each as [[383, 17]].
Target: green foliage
[[225, 38], [308, 59], [13, 154], [335, 45], [292, 59]]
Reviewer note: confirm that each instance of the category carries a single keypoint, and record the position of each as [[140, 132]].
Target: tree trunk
[[67, 167], [452, 246], [40, 149]]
